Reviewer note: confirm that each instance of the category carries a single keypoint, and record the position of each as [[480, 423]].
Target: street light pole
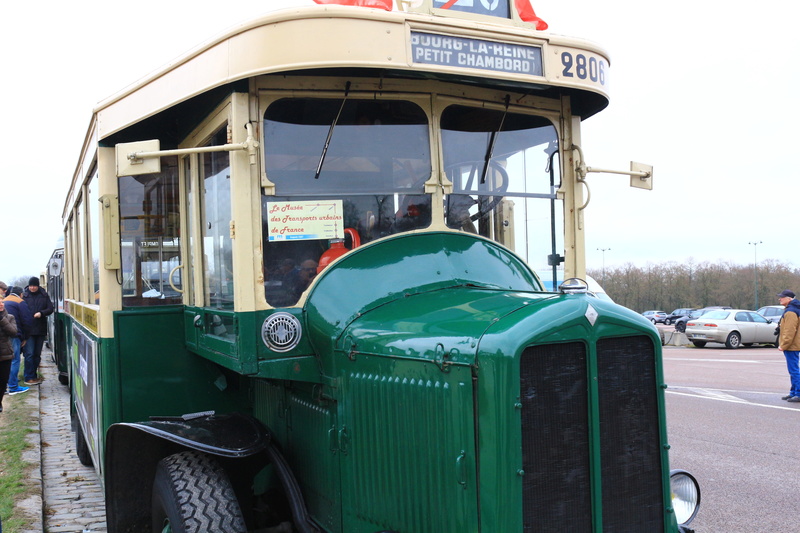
[[604, 263], [755, 272]]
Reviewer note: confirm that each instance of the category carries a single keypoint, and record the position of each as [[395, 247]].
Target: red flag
[[380, 4], [526, 13]]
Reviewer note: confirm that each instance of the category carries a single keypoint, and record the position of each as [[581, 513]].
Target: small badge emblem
[[591, 315]]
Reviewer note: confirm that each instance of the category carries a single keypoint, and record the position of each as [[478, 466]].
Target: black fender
[[134, 449]]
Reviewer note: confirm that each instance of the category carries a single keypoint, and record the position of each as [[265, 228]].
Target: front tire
[[668, 322], [733, 341], [192, 494]]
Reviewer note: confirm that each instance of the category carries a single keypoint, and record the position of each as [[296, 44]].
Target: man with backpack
[[16, 307]]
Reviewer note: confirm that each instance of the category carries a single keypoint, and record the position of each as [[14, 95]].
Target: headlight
[[685, 495]]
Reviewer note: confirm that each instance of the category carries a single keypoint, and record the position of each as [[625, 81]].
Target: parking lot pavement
[[72, 495]]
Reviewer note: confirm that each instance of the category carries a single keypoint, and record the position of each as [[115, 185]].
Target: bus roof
[[337, 37]]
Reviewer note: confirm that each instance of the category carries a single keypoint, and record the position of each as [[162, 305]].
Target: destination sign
[[495, 8], [448, 50]]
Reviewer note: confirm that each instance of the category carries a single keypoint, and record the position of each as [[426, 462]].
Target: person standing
[[789, 341], [17, 308], [40, 307], [8, 330], [3, 289]]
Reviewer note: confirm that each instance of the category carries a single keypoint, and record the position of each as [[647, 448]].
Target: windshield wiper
[[492, 140], [330, 132]]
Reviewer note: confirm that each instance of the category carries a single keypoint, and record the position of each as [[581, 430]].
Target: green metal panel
[[408, 264], [154, 374], [311, 448], [304, 424], [443, 326], [423, 350], [242, 349], [406, 437]]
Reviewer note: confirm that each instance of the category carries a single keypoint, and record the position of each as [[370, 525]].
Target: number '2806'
[[584, 68]]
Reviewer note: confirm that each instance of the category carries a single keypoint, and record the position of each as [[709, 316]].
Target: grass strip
[[15, 425]]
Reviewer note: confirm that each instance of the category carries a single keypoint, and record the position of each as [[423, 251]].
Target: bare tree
[[670, 286]]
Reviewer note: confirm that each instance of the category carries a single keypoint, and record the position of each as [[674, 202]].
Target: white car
[[772, 312], [733, 327], [656, 317]]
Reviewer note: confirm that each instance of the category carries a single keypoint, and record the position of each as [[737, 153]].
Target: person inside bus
[[298, 279], [286, 284], [306, 274], [414, 212]]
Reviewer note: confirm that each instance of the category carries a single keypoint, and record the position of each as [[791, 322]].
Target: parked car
[[772, 312], [676, 314], [656, 317], [680, 324], [733, 327]]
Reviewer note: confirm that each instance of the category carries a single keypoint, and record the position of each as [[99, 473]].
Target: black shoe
[[786, 397], [795, 399]]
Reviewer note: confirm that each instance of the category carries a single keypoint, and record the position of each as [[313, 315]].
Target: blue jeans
[[33, 356], [13, 378], [792, 359]]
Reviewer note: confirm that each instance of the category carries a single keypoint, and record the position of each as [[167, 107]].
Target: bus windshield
[[369, 183], [375, 146], [504, 170]]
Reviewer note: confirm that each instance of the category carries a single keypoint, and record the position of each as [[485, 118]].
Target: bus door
[[210, 268]]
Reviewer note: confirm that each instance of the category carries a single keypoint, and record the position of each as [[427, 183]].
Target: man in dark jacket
[[789, 341], [8, 330], [16, 307], [40, 307]]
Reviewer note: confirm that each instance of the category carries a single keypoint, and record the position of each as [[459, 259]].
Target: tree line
[[670, 286], [22, 281]]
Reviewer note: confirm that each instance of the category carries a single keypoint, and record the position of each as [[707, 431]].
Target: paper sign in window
[[305, 220]]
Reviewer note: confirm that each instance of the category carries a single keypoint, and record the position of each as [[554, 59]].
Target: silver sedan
[[733, 327]]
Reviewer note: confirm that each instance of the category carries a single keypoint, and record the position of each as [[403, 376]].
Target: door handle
[[171, 273]]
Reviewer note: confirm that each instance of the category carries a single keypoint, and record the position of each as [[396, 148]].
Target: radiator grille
[[629, 439], [556, 437]]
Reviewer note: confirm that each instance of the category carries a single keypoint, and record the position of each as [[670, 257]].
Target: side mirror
[[128, 164], [639, 181]]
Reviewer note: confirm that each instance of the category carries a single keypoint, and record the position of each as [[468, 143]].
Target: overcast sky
[[705, 93]]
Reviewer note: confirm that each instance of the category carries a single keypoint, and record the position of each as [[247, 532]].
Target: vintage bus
[[57, 322], [300, 290]]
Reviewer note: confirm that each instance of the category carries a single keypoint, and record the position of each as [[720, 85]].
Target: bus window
[[370, 184], [94, 235], [504, 174], [215, 171], [150, 233]]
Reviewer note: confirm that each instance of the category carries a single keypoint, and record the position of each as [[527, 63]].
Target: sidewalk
[[72, 498]]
